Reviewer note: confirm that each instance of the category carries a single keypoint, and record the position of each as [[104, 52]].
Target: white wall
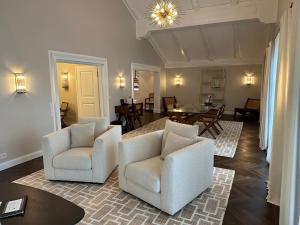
[[29, 29], [236, 93], [146, 81]]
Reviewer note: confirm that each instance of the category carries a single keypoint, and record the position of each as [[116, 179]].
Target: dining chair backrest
[[169, 102], [64, 106], [252, 104]]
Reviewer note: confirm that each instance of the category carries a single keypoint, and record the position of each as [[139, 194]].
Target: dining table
[[189, 114]]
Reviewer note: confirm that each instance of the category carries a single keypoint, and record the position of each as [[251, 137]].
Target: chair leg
[[207, 128], [215, 129], [235, 113], [139, 120], [219, 125]]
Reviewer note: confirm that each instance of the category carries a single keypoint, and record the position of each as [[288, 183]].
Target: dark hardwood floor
[[247, 203]]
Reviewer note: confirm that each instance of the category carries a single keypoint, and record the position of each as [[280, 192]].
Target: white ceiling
[[207, 37], [140, 7], [227, 43]]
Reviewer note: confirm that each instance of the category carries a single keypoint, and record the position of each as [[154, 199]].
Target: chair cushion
[[74, 159], [146, 173], [101, 124], [82, 135], [189, 131], [174, 143]]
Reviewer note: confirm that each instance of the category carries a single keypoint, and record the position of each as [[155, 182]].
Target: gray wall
[[236, 93], [28, 29]]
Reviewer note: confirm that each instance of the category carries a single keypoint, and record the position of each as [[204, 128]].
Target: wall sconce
[[178, 80], [136, 84], [20, 83], [121, 81], [65, 80], [249, 79]]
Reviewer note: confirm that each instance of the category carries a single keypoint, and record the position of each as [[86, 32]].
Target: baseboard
[[19, 160], [229, 113]]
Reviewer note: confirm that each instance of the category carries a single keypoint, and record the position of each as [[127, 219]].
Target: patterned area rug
[[107, 204], [226, 142]]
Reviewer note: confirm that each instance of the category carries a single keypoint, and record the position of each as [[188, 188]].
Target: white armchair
[[84, 164], [167, 184]]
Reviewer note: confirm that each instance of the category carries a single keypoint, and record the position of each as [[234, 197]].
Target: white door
[[87, 91]]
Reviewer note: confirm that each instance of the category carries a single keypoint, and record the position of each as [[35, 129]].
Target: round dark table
[[42, 208]]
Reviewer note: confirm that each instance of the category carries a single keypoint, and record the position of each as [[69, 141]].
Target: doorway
[[78, 92], [148, 79], [82, 82]]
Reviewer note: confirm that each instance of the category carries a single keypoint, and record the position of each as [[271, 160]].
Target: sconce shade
[[122, 81], [65, 80], [136, 84], [249, 79], [178, 80], [20, 83]]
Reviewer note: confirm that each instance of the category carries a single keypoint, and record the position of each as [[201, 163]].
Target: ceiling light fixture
[[163, 13]]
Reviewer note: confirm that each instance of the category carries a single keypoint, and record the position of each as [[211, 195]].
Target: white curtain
[[285, 138], [268, 97], [264, 115]]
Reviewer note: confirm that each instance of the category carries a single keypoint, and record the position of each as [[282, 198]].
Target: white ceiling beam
[[157, 48], [214, 63], [264, 11], [236, 41], [182, 51], [195, 4], [209, 50]]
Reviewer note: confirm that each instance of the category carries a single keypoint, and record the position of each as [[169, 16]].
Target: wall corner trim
[[16, 161]]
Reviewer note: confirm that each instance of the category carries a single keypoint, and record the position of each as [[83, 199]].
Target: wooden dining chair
[[251, 108], [169, 103], [210, 120], [219, 112], [64, 107]]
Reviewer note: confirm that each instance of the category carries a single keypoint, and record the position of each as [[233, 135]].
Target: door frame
[[157, 90], [64, 57]]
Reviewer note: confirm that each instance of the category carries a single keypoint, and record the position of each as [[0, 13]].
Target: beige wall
[[146, 80], [68, 94], [283, 5], [236, 93], [29, 29]]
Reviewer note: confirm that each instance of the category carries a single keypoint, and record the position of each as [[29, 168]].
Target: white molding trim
[[157, 48], [101, 63], [19, 160], [264, 11], [229, 112], [133, 14], [157, 83], [213, 63]]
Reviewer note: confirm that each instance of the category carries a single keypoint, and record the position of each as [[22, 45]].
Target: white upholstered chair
[[167, 184], [85, 164]]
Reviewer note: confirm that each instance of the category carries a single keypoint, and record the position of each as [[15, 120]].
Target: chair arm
[[137, 149], [185, 174], [57, 142], [52, 145], [104, 156]]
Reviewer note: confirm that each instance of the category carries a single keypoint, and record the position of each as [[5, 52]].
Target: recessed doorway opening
[[79, 87], [78, 92]]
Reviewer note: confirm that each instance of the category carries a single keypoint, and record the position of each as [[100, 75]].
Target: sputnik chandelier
[[163, 13]]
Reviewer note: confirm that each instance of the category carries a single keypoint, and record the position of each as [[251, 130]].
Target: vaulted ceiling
[[211, 32]]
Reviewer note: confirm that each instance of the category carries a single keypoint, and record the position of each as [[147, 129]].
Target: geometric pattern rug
[[226, 142], [107, 204]]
